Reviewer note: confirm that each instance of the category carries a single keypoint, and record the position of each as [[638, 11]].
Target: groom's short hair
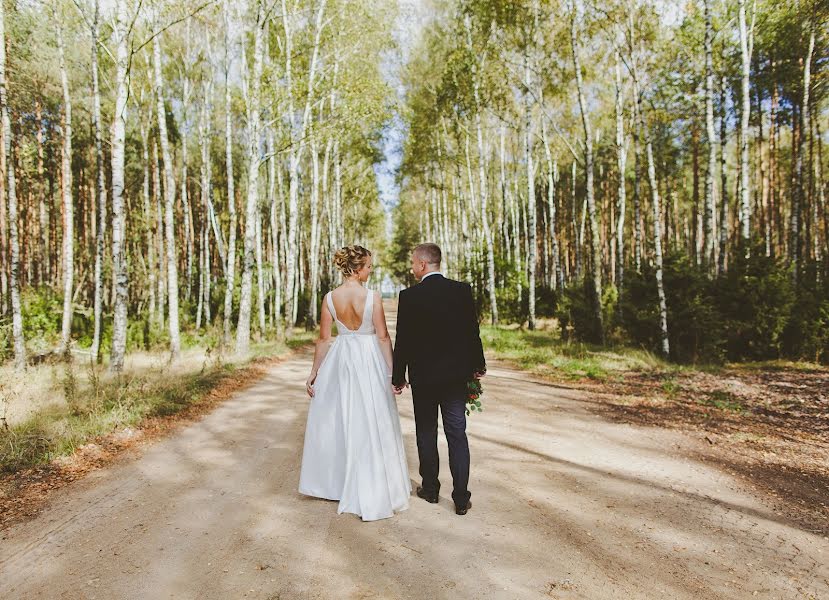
[[428, 252]]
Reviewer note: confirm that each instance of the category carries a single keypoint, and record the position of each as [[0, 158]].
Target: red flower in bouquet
[[474, 391]]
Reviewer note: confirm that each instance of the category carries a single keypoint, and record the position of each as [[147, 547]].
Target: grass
[[723, 400], [85, 402], [544, 352]]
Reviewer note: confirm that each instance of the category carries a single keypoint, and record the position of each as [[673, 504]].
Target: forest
[[644, 173]]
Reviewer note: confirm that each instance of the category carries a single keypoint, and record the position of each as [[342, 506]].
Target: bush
[[511, 309], [694, 325], [807, 332], [576, 311], [755, 299]]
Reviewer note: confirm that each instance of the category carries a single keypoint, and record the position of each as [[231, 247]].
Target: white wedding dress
[[353, 444]]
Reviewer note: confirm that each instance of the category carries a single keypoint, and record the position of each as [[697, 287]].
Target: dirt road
[[565, 505]]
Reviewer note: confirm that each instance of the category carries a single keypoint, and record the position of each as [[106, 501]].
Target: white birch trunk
[[230, 258], [68, 204], [251, 204], [745, 115], [11, 193], [482, 182], [621, 197], [148, 218], [801, 186], [189, 233], [297, 144], [723, 225], [315, 229], [657, 228], [119, 263], [169, 205], [709, 234], [595, 242], [274, 222], [531, 208], [101, 192]]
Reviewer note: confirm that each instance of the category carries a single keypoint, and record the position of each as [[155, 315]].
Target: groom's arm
[[476, 347], [400, 361]]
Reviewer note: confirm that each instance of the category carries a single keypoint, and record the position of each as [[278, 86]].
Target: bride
[[353, 445]]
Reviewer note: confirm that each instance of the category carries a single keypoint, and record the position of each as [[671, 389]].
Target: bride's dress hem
[[318, 496]]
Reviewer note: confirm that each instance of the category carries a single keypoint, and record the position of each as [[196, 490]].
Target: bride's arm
[[323, 343], [382, 329]]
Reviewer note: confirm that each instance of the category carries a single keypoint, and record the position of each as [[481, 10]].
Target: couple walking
[[353, 443]]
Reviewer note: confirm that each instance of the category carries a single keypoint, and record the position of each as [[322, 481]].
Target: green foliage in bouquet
[[474, 391]]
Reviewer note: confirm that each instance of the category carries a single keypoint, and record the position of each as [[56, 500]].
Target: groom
[[439, 342]]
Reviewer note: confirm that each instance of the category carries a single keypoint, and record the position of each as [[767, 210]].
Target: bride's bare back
[[350, 304]]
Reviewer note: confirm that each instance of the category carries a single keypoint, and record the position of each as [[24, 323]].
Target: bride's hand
[[309, 384]]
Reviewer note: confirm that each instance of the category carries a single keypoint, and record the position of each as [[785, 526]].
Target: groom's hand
[[398, 389]]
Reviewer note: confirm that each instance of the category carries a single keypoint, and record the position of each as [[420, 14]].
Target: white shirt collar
[[422, 279]]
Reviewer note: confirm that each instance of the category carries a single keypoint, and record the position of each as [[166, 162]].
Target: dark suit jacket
[[438, 339]]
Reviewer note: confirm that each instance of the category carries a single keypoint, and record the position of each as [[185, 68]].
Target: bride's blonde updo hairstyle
[[350, 259]]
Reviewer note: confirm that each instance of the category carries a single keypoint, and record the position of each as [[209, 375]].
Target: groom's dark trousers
[[451, 399]]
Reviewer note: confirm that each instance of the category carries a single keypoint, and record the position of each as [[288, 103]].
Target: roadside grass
[[545, 353], [86, 402]]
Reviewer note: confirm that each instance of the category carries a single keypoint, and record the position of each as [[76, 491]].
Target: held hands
[[480, 374], [309, 384], [398, 389]]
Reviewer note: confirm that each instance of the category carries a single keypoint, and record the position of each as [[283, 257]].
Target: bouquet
[[474, 391]]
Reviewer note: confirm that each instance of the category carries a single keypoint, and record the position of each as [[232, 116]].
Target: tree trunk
[[158, 232], [657, 223], [315, 228], [803, 126], [189, 233], [274, 221], [638, 236], [148, 217], [723, 226], [297, 132], [102, 193], [482, 182], [169, 205], [621, 196], [119, 262], [251, 205], [709, 234], [552, 176], [745, 115], [205, 174], [68, 204], [11, 193], [595, 247], [230, 266], [528, 157], [46, 263]]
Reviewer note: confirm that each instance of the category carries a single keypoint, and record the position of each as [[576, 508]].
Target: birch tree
[[169, 202], [101, 191], [252, 203], [11, 194], [230, 259], [745, 116], [710, 239], [121, 33], [68, 203], [595, 249]]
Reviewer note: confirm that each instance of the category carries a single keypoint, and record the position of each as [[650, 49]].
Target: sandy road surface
[[565, 505]]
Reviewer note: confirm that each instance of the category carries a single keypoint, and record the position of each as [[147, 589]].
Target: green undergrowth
[[95, 403], [545, 353]]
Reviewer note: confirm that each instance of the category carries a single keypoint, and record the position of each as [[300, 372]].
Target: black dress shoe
[[431, 498], [461, 510]]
